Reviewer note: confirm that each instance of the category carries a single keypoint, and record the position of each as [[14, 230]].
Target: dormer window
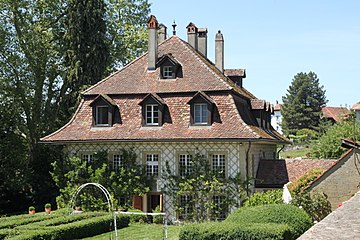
[[168, 72], [201, 109], [102, 116], [152, 110], [152, 114], [201, 113], [170, 68], [104, 111]]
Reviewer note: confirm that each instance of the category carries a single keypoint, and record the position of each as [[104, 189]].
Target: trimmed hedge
[[54, 230], [14, 221], [297, 219], [230, 231], [275, 221]]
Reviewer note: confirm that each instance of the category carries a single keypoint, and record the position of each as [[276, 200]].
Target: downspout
[[247, 168], [278, 152]]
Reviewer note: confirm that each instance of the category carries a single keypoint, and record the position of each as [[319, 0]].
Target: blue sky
[[276, 39]]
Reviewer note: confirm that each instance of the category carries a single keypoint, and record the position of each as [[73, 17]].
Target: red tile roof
[[335, 113], [278, 107], [127, 87], [356, 106], [276, 173], [228, 123]]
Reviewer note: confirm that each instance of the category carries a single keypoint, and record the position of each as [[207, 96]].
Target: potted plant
[[48, 208], [31, 210]]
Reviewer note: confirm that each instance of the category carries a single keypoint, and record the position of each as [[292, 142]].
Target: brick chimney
[[162, 33], [192, 35], [202, 41], [219, 51], [152, 43]]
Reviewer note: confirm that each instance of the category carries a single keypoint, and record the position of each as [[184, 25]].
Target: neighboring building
[[273, 174], [342, 180], [277, 118], [335, 114], [356, 108], [169, 104]]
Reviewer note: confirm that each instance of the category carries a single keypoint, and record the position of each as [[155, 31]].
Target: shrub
[[31, 208], [262, 198], [301, 183], [229, 230], [138, 218], [316, 205], [48, 205], [158, 219], [297, 219]]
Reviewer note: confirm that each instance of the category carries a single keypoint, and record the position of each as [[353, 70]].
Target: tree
[[208, 194], [32, 67], [302, 103], [329, 144]]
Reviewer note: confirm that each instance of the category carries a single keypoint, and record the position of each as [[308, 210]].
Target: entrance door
[[154, 200]]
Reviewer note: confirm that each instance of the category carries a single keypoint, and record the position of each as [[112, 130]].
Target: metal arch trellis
[[107, 195]]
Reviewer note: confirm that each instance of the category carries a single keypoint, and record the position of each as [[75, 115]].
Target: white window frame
[[152, 115], [201, 118], [186, 204], [185, 163], [87, 157], [168, 72], [218, 164], [117, 161], [218, 201], [97, 115], [152, 163]]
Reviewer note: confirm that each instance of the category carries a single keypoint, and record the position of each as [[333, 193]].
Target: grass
[[141, 232], [304, 153]]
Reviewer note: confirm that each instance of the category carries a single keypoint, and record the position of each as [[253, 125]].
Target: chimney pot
[[202, 41], [192, 32]]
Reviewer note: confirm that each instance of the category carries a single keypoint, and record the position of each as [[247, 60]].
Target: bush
[[301, 183], [158, 219], [138, 218], [297, 219], [229, 230], [316, 205], [262, 198]]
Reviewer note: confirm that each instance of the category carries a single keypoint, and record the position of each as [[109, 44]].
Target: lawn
[[303, 152], [142, 232]]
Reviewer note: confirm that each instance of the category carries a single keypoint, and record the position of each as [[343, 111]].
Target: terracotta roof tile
[[276, 173], [258, 104], [335, 113], [356, 106]]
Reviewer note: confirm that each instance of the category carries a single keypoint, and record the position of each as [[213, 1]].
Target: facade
[[169, 104], [342, 180], [356, 108]]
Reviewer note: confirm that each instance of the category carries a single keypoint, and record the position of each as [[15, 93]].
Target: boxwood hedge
[[276, 221]]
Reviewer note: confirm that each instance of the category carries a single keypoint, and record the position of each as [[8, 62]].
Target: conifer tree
[[302, 103]]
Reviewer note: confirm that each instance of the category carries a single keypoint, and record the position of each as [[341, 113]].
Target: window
[[218, 164], [201, 113], [184, 164], [102, 116], [152, 114], [87, 158], [186, 206], [219, 210], [167, 72], [118, 162], [152, 164]]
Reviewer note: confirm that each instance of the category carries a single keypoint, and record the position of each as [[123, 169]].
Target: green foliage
[[72, 172], [303, 103], [316, 205], [297, 219], [67, 227], [228, 230], [329, 144], [262, 198], [31, 208], [158, 219], [48, 205], [200, 184], [303, 182], [38, 51]]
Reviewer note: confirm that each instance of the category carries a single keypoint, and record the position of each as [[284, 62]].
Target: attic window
[[152, 110], [168, 72], [201, 109], [102, 116], [201, 113], [152, 114]]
